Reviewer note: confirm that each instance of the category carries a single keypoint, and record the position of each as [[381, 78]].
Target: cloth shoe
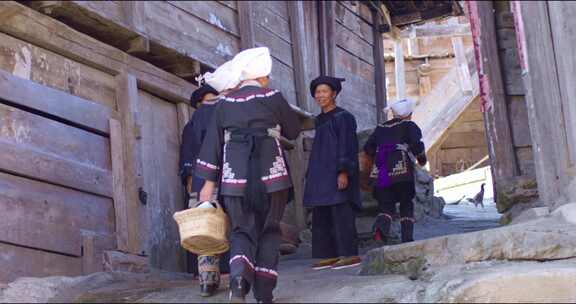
[[238, 290], [208, 290], [381, 227], [325, 263], [347, 262]]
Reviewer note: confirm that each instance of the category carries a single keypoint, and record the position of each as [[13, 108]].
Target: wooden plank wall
[[355, 61], [55, 168], [66, 181]]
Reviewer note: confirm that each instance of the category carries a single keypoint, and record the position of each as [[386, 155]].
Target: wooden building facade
[[93, 98], [526, 78]]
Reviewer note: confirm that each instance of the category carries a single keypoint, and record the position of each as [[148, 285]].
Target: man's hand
[[342, 181]]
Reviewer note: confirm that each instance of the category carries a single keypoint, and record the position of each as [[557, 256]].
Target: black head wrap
[[199, 94], [334, 82]]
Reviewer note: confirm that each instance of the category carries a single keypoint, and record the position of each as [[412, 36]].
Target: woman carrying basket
[[242, 143], [204, 100]]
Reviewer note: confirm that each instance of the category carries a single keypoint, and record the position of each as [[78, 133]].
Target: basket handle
[[218, 206]]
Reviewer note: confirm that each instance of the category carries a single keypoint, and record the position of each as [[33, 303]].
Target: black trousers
[[255, 242], [334, 231], [403, 193], [387, 198]]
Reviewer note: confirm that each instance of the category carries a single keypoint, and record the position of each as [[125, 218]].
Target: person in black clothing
[[391, 146], [204, 100], [332, 180], [242, 143]]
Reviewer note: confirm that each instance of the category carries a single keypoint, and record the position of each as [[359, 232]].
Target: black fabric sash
[[255, 194]]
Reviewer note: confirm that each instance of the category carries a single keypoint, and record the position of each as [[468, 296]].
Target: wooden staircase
[[439, 109]]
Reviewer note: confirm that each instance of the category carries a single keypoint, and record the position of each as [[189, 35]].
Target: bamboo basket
[[203, 231]]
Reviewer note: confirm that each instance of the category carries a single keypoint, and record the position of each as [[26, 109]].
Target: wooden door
[[160, 152]]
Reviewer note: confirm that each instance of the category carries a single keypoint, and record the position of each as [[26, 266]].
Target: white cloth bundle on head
[[225, 77], [253, 63], [402, 108]]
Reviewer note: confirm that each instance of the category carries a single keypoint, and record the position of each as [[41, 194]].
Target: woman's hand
[[189, 184], [207, 190], [342, 181]]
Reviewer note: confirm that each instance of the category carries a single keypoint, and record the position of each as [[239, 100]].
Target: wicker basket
[[203, 231]]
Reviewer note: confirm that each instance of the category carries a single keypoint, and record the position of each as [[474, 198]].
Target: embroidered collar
[[392, 123], [259, 93]]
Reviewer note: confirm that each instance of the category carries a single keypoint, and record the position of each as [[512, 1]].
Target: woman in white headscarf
[[255, 182], [393, 174], [204, 100]]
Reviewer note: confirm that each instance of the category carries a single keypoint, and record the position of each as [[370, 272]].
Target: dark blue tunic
[[335, 150], [192, 138]]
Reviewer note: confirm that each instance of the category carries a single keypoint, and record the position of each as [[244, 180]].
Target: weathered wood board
[[51, 151], [179, 30], [47, 217], [276, 25], [54, 102], [353, 44], [561, 21], [47, 68], [17, 262], [46, 32], [352, 22], [218, 14], [279, 48], [160, 154]]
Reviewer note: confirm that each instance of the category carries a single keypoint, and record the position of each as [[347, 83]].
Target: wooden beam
[[437, 30], [246, 24], [393, 32], [399, 71], [139, 46], [462, 63], [128, 104], [379, 68], [327, 34], [184, 68], [498, 131]]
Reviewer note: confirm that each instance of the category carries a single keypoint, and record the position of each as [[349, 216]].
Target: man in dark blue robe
[[332, 181]]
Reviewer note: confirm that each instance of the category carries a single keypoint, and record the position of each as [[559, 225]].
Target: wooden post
[[543, 97], [127, 100], [462, 64], [501, 148], [299, 53], [246, 24], [326, 33], [379, 67], [399, 70], [119, 186]]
